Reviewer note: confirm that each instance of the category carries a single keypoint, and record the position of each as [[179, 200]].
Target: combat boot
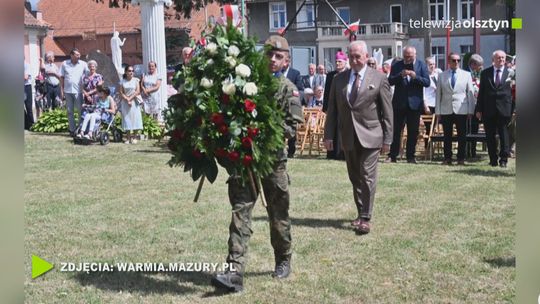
[[232, 281], [283, 269]]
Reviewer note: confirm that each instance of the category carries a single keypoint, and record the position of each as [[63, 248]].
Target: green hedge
[[56, 121]]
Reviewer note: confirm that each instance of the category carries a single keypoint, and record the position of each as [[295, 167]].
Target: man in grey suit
[[362, 99], [454, 104]]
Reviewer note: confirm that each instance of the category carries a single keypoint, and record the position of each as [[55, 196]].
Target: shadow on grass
[[145, 282], [314, 223], [152, 151], [502, 262], [154, 282], [487, 172]]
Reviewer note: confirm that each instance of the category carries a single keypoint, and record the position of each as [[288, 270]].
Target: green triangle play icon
[[40, 266]]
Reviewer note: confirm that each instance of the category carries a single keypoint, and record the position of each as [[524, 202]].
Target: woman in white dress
[[130, 105], [150, 84]]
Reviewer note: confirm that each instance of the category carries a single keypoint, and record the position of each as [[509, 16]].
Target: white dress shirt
[[495, 74], [73, 74], [362, 72]]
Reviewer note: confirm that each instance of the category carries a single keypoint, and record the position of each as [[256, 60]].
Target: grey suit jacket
[[460, 99], [369, 117]]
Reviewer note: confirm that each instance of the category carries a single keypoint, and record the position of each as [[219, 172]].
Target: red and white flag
[[352, 27], [232, 13]]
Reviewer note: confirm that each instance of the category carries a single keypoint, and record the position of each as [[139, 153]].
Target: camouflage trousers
[[276, 190]]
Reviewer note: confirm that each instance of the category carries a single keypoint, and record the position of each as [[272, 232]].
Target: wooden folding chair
[[304, 130]]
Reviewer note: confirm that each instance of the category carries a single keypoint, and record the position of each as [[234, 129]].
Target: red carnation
[[217, 118], [247, 160], [178, 134], [197, 153], [223, 129], [225, 98], [234, 156], [202, 41], [249, 105], [252, 132], [221, 153], [246, 142]]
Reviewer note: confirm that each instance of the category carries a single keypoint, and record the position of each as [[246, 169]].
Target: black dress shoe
[[283, 269], [390, 160], [447, 162], [503, 164], [493, 164], [230, 281], [411, 161]]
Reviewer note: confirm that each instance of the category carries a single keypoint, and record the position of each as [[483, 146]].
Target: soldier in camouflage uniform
[[275, 186]]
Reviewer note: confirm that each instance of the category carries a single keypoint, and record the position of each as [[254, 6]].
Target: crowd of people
[[455, 96], [80, 88]]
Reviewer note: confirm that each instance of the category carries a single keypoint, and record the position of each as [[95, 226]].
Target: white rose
[[250, 89], [228, 88], [231, 61], [206, 83], [210, 61], [234, 51], [211, 48], [243, 70]]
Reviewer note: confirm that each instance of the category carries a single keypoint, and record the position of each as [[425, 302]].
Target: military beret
[[277, 43]]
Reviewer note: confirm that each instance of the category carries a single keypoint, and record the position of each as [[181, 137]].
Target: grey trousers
[[73, 100], [362, 169]]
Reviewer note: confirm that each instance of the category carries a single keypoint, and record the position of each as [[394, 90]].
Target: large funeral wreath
[[225, 112]]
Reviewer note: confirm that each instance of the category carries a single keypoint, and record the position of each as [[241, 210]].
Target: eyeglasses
[[455, 60]]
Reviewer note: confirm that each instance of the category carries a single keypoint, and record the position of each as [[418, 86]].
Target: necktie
[[354, 89], [453, 80], [498, 78]]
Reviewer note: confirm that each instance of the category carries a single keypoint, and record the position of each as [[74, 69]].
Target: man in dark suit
[[294, 76], [341, 65], [361, 97], [494, 107], [409, 77], [309, 80]]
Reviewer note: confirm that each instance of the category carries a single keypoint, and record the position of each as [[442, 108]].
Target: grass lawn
[[440, 234]]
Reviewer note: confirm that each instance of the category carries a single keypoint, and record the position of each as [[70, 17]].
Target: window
[[439, 54], [436, 9], [467, 48], [465, 9], [306, 16], [395, 13], [278, 15], [344, 13]]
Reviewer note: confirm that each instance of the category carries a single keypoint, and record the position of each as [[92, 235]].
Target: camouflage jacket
[[288, 98]]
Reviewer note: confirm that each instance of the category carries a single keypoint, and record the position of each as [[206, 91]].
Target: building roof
[[50, 45], [73, 17], [31, 21]]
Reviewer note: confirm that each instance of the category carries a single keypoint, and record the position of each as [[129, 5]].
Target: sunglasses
[[455, 60], [371, 63], [130, 71]]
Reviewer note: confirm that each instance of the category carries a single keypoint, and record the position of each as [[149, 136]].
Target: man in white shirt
[[71, 74], [52, 80], [429, 92]]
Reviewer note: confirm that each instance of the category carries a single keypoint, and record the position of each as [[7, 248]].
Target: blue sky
[[34, 3]]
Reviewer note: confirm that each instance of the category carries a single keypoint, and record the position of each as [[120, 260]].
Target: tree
[[182, 7]]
